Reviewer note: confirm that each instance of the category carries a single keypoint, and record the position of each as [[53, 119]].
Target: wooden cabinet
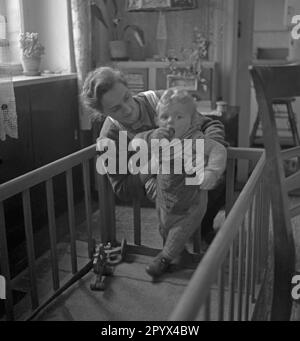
[[54, 115], [16, 154], [47, 126]]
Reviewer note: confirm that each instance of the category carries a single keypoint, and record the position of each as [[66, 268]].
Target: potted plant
[[117, 44], [32, 50]]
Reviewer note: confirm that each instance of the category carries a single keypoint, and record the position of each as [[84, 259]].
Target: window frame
[[14, 60]]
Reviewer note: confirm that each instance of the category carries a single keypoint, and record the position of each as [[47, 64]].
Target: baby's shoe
[[159, 266]]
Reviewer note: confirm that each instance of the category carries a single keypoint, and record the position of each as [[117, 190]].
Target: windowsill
[[22, 80], [12, 68]]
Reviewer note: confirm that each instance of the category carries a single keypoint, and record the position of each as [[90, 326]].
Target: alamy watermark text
[[2, 288], [161, 157], [296, 28]]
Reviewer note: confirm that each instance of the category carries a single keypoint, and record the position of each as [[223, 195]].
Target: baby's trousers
[[177, 229]]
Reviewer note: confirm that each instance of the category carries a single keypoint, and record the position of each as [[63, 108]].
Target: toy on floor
[[105, 257]]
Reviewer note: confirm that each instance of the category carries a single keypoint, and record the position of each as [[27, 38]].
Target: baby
[[181, 206]]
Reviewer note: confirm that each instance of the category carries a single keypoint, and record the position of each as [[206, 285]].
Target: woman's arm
[[214, 129], [125, 186]]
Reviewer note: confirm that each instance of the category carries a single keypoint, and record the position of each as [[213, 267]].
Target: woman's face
[[176, 116], [119, 105]]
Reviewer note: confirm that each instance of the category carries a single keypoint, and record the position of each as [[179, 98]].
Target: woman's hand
[[210, 180]]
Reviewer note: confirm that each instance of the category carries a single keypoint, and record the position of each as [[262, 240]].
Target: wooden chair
[[288, 114], [273, 82]]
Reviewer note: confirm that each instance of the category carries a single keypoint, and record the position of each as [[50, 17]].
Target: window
[[10, 28]]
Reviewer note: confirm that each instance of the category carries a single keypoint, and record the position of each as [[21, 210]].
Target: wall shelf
[[155, 74]]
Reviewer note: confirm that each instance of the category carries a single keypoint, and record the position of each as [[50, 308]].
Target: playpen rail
[[45, 173]]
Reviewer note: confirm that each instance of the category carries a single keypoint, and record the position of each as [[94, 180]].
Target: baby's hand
[[210, 180], [161, 133]]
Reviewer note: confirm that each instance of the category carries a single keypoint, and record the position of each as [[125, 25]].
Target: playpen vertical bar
[[248, 261], [4, 264], [52, 233], [71, 215], [255, 243], [111, 213], [240, 271], [137, 221], [230, 174], [207, 308], [87, 200], [231, 281], [103, 208], [107, 209], [30, 247], [221, 284], [254, 246], [265, 229], [258, 241]]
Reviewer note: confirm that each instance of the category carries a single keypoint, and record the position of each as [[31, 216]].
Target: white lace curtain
[[8, 114]]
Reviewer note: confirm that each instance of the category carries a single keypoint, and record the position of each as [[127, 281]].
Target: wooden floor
[[129, 280], [130, 296]]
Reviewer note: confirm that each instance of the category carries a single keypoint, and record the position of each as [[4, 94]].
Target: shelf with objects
[[153, 75]]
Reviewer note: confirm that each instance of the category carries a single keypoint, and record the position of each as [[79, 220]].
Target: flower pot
[[31, 66], [118, 50]]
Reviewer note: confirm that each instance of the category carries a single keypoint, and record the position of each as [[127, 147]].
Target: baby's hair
[[97, 83], [174, 96]]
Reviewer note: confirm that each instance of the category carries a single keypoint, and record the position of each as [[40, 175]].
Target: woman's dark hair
[[97, 83]]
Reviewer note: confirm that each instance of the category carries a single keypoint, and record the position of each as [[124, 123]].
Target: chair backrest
[[272, 82]]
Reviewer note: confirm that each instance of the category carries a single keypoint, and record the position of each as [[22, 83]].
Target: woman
[[106, 91]]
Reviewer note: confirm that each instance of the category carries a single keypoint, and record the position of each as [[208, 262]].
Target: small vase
[[31, 66]]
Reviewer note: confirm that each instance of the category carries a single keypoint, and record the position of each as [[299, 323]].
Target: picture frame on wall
[[160, 5], [183, 4], [143, 5]]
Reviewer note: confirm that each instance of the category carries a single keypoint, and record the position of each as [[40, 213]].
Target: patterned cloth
[[8, 113]]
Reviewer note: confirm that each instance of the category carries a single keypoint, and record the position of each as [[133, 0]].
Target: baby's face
[[177, 116]]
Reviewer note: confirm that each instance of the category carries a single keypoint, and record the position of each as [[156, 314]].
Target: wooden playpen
[[244, 275]]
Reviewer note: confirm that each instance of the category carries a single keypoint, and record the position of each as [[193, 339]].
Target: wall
[[215, 18], [180, 26], [49, 19], [269, 29]]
